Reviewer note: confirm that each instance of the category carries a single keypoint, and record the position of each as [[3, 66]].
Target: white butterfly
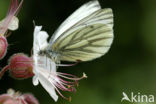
[[85, 35]]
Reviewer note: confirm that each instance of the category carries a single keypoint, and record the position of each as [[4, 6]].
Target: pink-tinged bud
[[30, 99], [9, 22], [4, 97], [11, 101], [3, 46], [13, 97], [20, 66]]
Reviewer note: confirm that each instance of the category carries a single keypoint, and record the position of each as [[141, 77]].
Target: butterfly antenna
[[31, 52], [34, 23]]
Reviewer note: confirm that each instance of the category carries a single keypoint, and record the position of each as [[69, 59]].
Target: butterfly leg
[[78, 61]]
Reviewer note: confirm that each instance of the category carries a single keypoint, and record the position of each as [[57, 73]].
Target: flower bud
[[13, 97], [20, 66], [3, 46], [11, 101], [10, 22], [30, 99]]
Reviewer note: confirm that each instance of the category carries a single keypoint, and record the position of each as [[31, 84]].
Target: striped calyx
[[20, 66], [3, 46]]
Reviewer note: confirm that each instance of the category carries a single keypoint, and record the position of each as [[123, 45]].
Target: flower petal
[[46, 83], [35, 80], [40, 39], [13, 24], [36, 47]]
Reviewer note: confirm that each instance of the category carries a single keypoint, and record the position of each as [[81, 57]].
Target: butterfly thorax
[[51, 54]]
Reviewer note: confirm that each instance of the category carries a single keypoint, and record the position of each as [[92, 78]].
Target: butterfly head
[[50, 54], [42, 52]]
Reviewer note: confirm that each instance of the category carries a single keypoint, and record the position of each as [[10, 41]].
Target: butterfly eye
[[41, 52]]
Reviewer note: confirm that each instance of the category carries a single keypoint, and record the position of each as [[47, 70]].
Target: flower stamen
[[59, 82]]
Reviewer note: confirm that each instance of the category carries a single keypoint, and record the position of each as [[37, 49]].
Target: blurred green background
[[129, 66]]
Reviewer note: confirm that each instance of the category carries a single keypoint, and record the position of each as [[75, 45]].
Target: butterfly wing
[[78, 15], [89, 38]]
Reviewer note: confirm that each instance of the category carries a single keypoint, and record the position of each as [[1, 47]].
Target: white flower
[[45, 69]]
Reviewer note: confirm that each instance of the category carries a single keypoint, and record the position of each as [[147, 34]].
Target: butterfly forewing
[[78, 15], [88, 39]]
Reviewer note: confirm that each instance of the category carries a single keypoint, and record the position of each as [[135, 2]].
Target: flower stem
[[3, 71]]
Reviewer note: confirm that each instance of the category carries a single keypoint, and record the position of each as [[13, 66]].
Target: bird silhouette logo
[[125, 97]]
